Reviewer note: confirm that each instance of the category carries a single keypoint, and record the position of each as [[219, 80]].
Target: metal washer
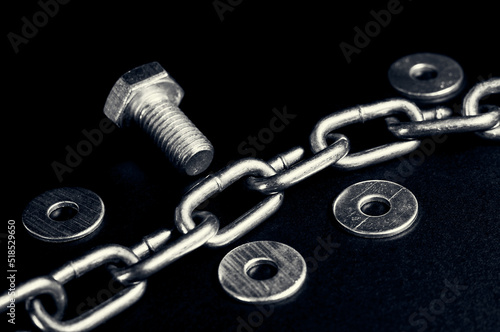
[[90, 212], [403, 209], [290, 276], [427, 77]]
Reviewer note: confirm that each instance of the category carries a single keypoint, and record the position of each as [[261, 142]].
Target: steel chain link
[[155, 252]]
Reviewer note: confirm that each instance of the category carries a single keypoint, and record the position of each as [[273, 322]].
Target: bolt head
[[136, 81]]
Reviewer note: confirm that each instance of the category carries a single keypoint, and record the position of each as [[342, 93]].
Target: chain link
[[171, 251], [156, 251], [361, 114], [471, 105], [216, 183], [452, 125], [110, 253], [486, 124], [302, 170], [38, 286]]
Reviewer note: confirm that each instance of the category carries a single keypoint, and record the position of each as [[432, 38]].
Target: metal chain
[[156, 251], [486, 125]]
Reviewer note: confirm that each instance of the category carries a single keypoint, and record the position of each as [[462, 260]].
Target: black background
[[235, 71]]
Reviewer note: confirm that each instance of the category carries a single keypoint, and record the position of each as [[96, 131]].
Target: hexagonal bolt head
[[148, 96]]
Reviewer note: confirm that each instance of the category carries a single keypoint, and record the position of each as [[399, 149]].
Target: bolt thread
[[183, 143]]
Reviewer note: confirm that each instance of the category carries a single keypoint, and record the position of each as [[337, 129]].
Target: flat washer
[[427, 77], [290, 276], [402, 212], [88, 214]]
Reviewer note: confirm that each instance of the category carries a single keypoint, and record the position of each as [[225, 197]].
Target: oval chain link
[[89, 320], [486, 124], [35, 287], [471, 105], [171, 251], [325, 126], [302, 170], [459, 124], [216, 183]]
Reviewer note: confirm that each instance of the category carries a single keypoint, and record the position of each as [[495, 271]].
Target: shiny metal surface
[[286, 159], [471, 104], [149, 96], [102, 312], [156, 250], [460, 124], [427, 77], [302, 170], [34, 287], [216, 183], [361, 114], [403, 209], [289, 278], [151, 243], [437, 113], [171, 251], [88, 214]]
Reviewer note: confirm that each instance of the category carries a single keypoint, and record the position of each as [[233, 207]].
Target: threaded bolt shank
[[148, 96], [183, 143]]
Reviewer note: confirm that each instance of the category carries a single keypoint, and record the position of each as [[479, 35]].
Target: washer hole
[[375, 206], [62, 211], [423, 72], [261, 269]]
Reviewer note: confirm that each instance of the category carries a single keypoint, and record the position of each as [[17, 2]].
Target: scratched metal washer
[[402, 212], [427, 77], [290, 276], [88, 214]]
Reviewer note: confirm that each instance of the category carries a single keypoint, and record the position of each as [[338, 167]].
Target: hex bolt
[[149, 97]]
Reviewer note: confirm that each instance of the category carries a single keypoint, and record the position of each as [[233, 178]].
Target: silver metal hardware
[[302, 170], [86, 214], [361, 114], [460, 124], [216, 183], [38, 286], [156, 250], [402, 209], [74, 269], [286, 159], [427, 77], [149, 96], [471, 105], [151, 243], [290, 272], [171, 251]]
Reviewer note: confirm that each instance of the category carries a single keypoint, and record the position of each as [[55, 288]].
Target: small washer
[[235, 266], [401, 203], [80, 213], [427, 77]]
